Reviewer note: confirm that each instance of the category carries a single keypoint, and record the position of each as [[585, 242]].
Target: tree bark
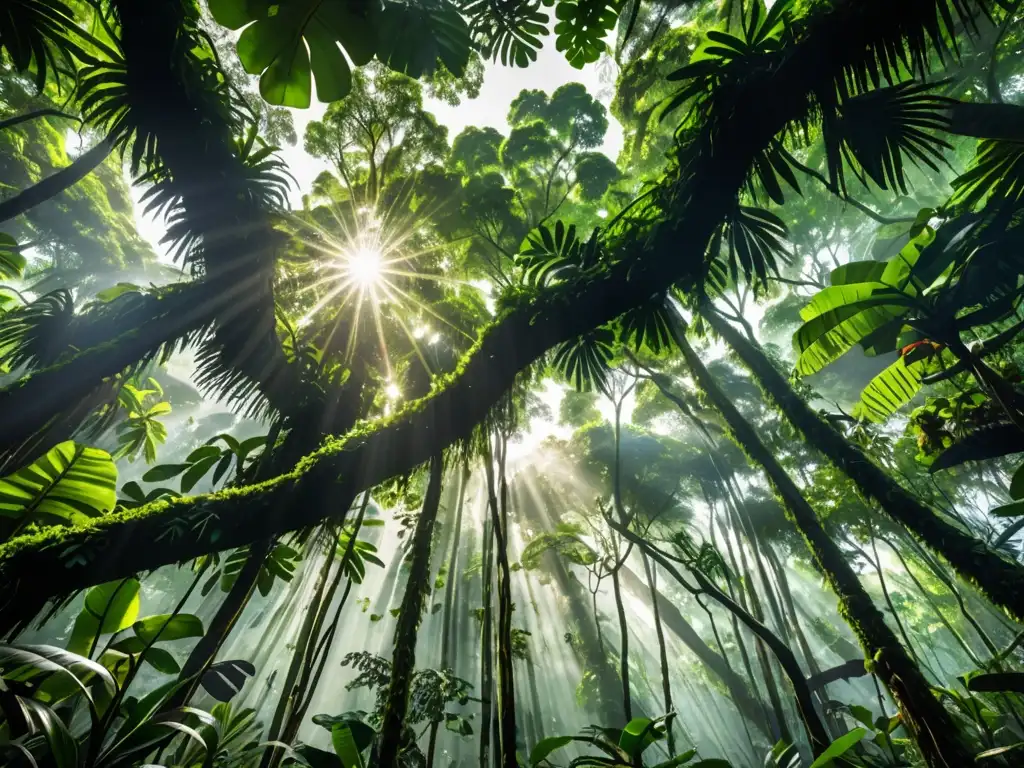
[[56, 183], [937, 735], [387, 746], [997, 578]]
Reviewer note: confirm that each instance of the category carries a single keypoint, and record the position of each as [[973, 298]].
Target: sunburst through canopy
[[366, 274]]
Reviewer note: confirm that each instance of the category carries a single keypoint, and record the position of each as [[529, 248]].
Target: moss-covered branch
[[998, 578]]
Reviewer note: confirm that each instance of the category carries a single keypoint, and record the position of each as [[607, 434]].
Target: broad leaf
[[68, 483], [839, 747], [289, 43], [414, 36]]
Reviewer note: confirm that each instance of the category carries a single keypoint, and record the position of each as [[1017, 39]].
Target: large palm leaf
[[997, 174], [875, 131], [584, 361]]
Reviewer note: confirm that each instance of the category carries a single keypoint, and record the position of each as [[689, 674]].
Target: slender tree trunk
[[670, 615], [487, 630], [56, 183], [388, 745], [747, 594], [230, 610], [620, 610], [305, 641], [666, 683], [817, 734], [449, 600], [931, 725], [313, 664], [998, 578], [506, 679]]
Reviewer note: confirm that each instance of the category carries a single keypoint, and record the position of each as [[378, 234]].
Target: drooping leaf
[[545, 747], [166, 627], [12, 262], [506, 32], [996, 682]]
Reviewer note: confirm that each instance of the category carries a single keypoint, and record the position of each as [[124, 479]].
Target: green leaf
[[163, 472], [891, 389], [857, 272], [12, 263], [108, 608], [839, 747], [161, 661], [1013, 509], [115, 603], [414, 37], [345, 746], [997, 751], [582, 27], [109, 294], [68, 483], [841, 316], [1017, 484], [545, 747], [166, 627], [289, 44], [196, 472], [992, 682]]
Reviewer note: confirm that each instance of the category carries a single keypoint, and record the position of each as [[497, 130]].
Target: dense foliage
[[490, 448]]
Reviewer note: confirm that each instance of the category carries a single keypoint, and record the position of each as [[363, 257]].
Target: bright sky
[[500, 86]]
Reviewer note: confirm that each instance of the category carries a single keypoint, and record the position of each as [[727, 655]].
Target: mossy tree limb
[[937, 735], [999, 579]]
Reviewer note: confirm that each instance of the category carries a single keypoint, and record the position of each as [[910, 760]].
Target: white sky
[[500, 86]]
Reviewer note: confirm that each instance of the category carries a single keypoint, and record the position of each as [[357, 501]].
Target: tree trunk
[[449, 600], [739, 692], [620, 610], [998, 578], [928, 721], [486, 629], [666, 683], [387, 747], [56, 183], [204, 651], [506, 678], [306, 640]]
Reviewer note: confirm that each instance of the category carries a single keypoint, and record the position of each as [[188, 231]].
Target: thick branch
[[1003, 122], [54, 184]]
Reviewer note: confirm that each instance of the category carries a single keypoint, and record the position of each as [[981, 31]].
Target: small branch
[[10, 122], [855, 203]]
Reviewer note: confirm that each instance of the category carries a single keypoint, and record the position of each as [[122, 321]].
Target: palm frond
[[36, 334], [648, 325], [753, 241], [874, 131], [997, 175], [584, 361]]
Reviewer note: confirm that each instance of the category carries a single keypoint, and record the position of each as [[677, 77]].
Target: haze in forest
[[473, 384]]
